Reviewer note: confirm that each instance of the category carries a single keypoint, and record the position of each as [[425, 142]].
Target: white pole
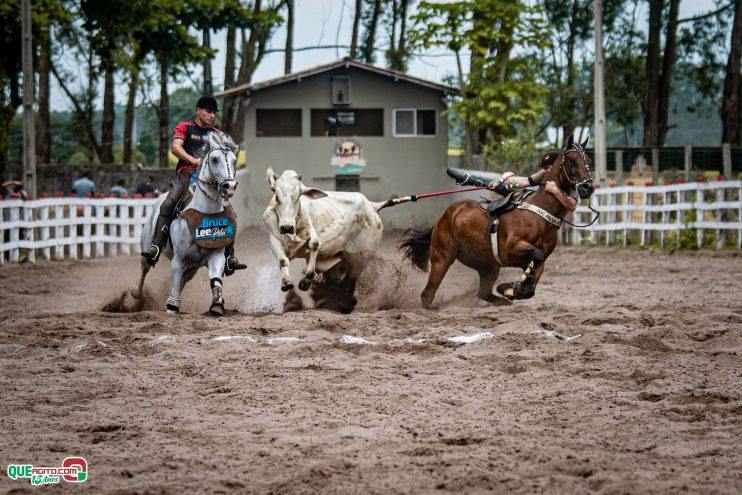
[[601, 157]]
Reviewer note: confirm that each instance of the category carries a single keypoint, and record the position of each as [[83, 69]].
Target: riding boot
[[232, 262], [162, 228], [467, 179]]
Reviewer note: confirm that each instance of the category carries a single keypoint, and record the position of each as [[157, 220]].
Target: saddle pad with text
[[212, 230]]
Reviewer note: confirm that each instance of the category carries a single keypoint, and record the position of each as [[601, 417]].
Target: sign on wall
[[348, 157]]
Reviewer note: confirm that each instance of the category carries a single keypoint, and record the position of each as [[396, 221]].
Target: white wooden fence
[[663, 215], [56, 228]]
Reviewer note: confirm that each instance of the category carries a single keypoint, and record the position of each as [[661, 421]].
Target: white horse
[[215, 184]]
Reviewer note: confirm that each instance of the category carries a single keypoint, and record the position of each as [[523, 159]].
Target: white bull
[[319, 226]]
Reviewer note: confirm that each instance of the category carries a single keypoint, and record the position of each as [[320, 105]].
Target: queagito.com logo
[[73, 470]]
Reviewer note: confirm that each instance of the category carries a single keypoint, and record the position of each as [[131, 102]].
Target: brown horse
[[525, 238]]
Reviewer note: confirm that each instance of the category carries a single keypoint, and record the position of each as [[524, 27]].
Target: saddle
[[498, 207], [208, 230]]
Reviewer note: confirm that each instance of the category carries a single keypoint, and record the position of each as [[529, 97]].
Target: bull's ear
[[313, 193], [271, 178], [570, 142], [584, 143]]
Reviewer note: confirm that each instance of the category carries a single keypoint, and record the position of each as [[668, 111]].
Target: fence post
[[665, 213], [688, 162], [699, 213], [647, 215], [124, 230], [726, 156], [30, 234], [593, 233], [138, 217], [655, 165], [628, 213], [44, 215], [619, 167], [58, 231], [15, 234], [719, 215], [87, 214], [100, 230], [610, 234]]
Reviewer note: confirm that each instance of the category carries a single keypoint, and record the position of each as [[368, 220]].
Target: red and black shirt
[[193, 137]]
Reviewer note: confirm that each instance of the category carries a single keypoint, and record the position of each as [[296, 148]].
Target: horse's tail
[[415, 245]]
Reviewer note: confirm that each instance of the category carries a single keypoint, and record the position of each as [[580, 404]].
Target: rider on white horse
[[188, 139]]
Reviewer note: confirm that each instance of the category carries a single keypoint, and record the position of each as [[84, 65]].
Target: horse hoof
[[304, 284], [507, 290], [171, 311], [217, 310], [135, 294], [287, 286]]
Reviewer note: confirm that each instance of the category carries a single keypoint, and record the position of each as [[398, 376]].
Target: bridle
[[575, 185], [214, 183]]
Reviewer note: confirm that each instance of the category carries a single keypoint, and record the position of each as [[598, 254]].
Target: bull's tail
[[392, 202], [415, 245]]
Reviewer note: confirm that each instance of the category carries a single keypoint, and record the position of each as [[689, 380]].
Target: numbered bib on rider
[[213, 230]]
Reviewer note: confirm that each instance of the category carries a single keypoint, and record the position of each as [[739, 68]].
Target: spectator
[[83, 186], [13, 186], [119, 189], [331, 124], [147, 187]]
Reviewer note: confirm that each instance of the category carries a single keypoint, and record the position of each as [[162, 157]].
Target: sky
[[330, 22]]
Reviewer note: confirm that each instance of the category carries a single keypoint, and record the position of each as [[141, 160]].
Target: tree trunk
[[289, 37], [668, 63], [368, 49], [731, 107], [228, 106], [162, 117], [356, 23], [208, 86], [106, 128], [402, 44], [651, 98], [43, 121], [129, 118]]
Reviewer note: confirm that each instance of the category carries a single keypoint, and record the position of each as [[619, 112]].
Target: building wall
[[394, 166]]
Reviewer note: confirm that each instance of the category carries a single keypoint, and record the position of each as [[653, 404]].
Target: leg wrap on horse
[[525, 288], [173, 304], [217, 300]]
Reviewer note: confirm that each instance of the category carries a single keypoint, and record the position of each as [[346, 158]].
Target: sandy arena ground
[[647, 400]]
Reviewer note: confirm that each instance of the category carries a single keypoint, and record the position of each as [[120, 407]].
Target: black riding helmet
[[208, 102], [549, 158]]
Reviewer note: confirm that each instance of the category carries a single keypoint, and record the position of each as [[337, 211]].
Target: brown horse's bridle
[[583, 184]]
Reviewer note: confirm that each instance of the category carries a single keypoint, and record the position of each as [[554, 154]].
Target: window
[[348, 122], [278, 122], [341, 90], [408, 122]]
